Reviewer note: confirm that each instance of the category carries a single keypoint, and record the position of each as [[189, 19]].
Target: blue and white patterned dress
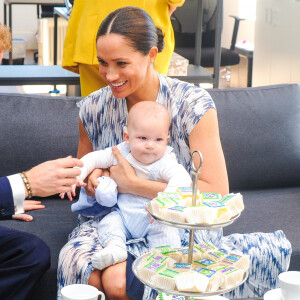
[[103, 117]]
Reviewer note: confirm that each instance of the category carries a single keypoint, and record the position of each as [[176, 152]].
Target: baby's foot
[[110, 255]]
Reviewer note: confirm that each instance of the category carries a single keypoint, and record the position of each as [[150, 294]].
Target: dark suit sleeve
[[6, 199]]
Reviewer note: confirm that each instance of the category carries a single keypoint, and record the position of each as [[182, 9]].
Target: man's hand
[[28, 205], [53, 177]]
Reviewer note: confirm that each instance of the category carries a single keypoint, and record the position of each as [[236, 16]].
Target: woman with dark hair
[[127, 44], [79, 54]]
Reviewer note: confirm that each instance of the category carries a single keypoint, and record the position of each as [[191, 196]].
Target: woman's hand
[[28, 205], [171, 9], [92, 181], [127, 181], [123, 174]]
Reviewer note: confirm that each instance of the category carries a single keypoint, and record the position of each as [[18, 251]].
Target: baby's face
[[148, 140]]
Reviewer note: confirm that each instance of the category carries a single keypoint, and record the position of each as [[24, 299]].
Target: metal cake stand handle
[[195, 174]]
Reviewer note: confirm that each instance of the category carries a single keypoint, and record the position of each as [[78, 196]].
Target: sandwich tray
[[196, 226], [139, 261]]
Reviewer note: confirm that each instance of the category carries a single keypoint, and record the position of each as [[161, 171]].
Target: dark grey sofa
[[260, 133]]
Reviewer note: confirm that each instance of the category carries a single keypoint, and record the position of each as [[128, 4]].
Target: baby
[[145, 147]]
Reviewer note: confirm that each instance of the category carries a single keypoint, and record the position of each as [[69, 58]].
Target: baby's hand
[[73, 189], [69, 194], [148, 215], [72, 193], [80, 182]]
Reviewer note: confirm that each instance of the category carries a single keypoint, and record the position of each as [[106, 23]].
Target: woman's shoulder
[[184, 92]]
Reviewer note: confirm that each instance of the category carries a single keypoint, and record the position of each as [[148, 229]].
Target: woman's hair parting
[[5, 38], [136, 25]]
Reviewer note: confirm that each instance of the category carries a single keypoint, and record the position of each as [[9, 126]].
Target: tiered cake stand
[[192, 227]]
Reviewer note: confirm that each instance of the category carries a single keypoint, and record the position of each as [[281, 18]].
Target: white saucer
[[212, 298], [273, 295], [164, 296]]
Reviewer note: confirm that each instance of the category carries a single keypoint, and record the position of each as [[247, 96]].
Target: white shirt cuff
[[18, 191]]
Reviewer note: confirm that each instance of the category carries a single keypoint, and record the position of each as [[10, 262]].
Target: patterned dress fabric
[[104, 117]]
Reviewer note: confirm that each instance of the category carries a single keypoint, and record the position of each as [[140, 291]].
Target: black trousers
[[24, 258]]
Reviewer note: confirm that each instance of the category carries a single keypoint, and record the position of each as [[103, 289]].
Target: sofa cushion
[[34, 129], [260, 134], [269, 210]]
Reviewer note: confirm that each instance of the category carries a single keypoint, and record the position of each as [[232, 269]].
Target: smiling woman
[[79, 53], [123, 68], [127, 44], [126, 54]]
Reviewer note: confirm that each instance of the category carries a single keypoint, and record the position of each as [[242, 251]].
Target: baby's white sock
[[113, 253]]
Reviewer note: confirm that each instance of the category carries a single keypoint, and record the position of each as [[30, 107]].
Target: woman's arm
[[85, 146], [173, 4], [127, 181], [205, 138], [171, 9]]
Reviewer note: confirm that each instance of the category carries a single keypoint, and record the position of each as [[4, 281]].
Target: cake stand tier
[[136, 264], [194, 226]]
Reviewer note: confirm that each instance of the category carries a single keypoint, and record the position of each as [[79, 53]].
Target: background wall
[[277, 43], [247, 10], [25, 23], [242, 8]]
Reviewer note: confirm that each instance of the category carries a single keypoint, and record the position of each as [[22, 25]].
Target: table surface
[[33, 74], [243, 51], [54, 2], [196, 74]]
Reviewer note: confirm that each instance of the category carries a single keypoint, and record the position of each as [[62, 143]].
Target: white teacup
[[290, 285], [80, 292]]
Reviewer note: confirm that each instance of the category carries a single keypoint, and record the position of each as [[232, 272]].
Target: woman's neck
[[148, 92]]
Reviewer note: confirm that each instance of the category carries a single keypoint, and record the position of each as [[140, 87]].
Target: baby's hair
[[148, 109], [136, 25], [5, 38]]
